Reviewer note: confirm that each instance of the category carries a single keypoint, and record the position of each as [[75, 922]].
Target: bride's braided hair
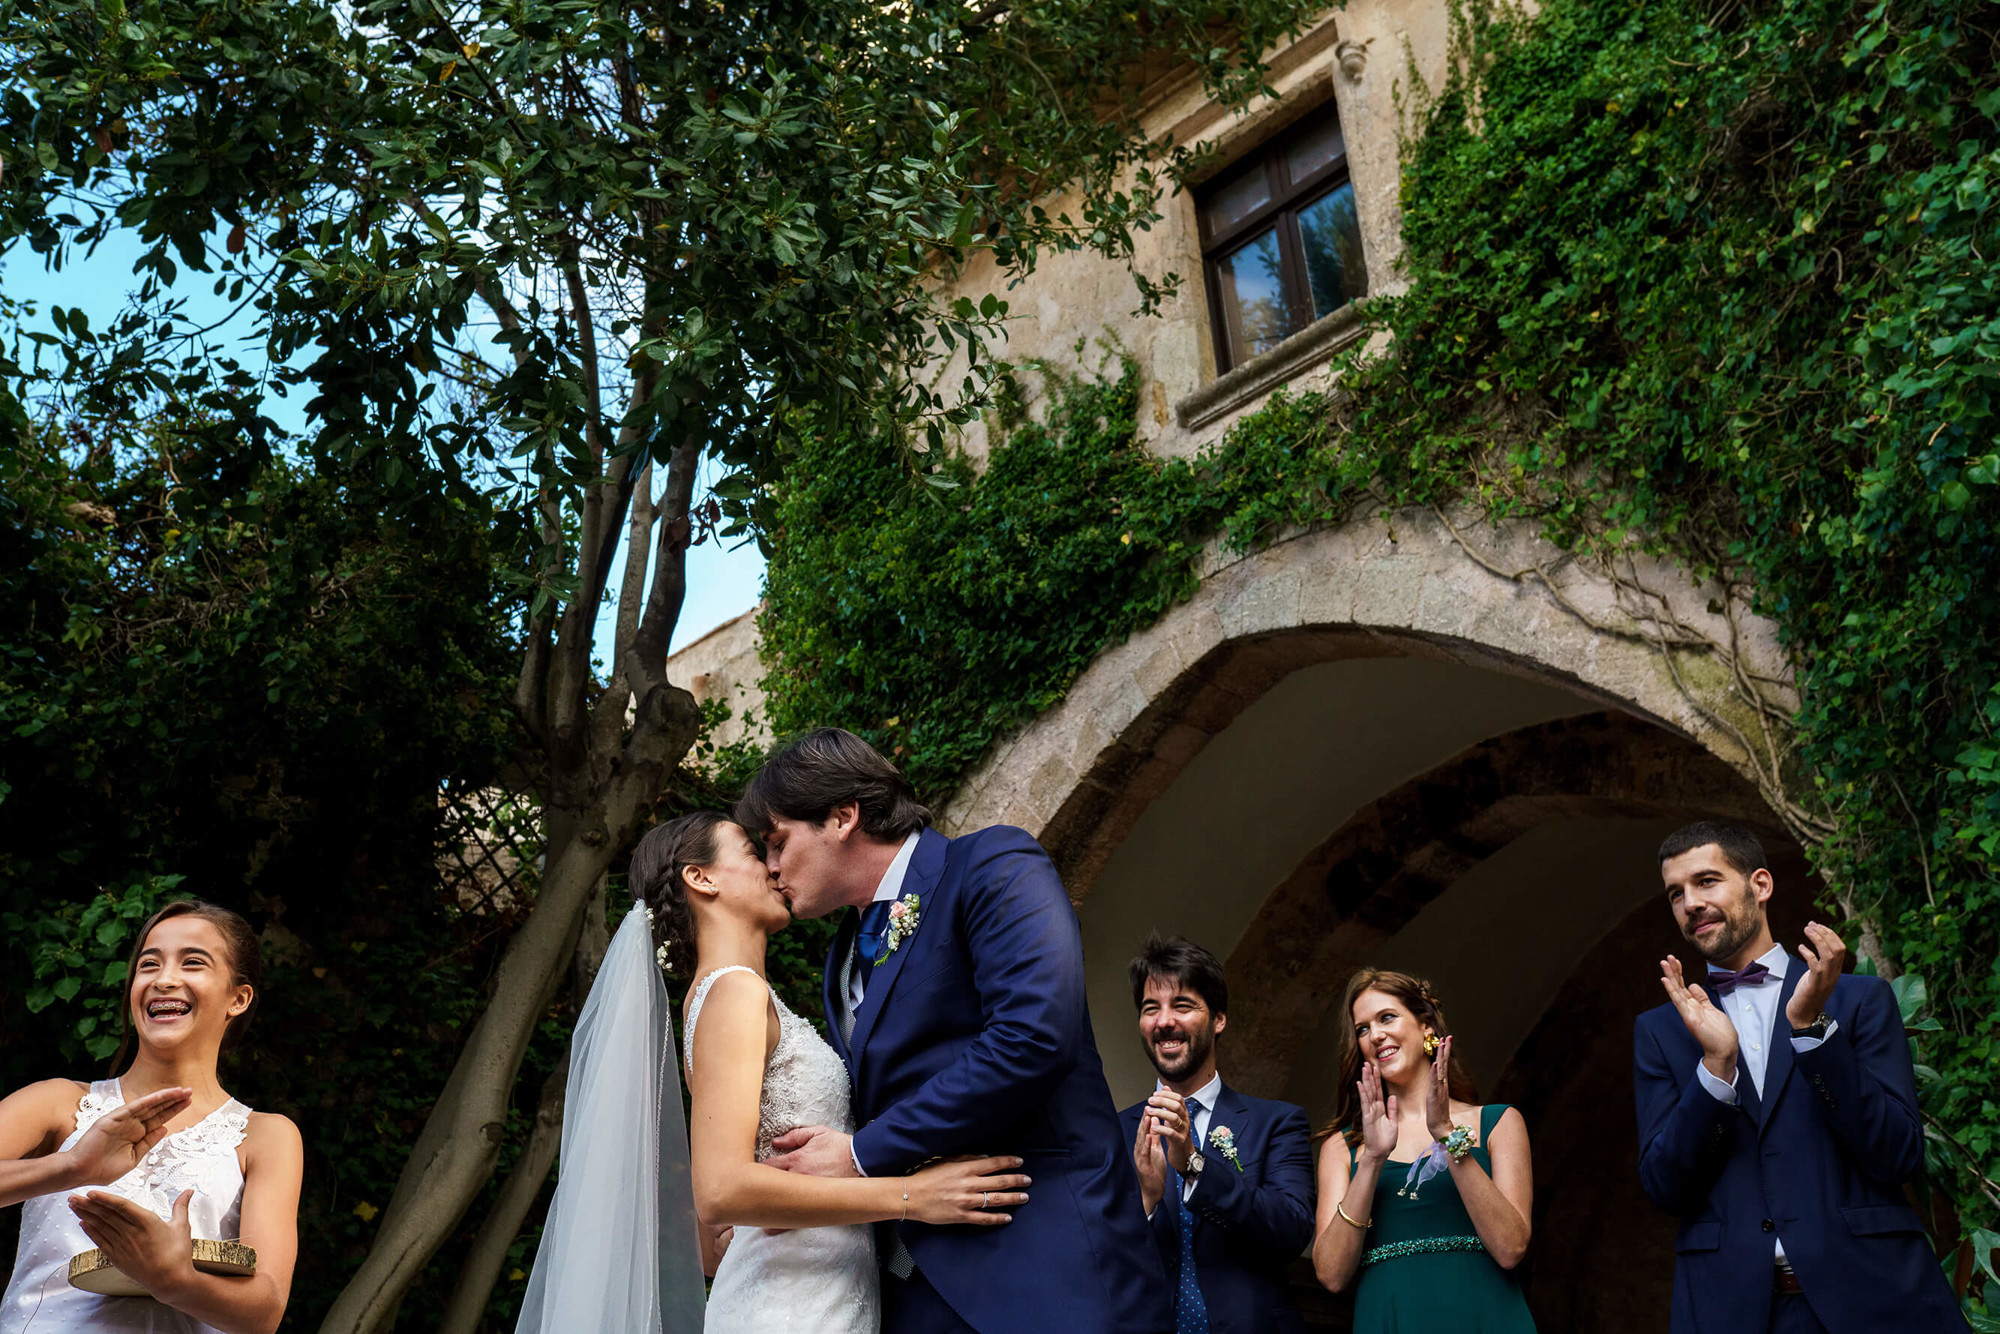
[[655, 877]]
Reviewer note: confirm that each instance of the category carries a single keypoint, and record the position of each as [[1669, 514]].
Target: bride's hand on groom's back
[[968, 1190]]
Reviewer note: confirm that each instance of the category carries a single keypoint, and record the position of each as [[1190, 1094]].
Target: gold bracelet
[[1341, 1209]]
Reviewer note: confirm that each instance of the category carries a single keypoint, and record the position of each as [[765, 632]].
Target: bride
[[801, 1257]]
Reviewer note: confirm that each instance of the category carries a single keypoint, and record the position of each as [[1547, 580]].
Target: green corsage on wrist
[[1458, 1143]]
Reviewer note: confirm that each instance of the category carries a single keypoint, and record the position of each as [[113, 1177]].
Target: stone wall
[[1364, 59], [723, 667]]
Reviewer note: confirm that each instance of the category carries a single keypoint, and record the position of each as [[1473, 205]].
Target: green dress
[[1423, 1270]]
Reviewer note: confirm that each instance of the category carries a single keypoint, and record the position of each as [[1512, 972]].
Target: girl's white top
[[201, 1158]]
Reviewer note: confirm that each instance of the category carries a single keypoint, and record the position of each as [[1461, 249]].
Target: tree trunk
[[481, 1269], [496, 1237], [587, 826]]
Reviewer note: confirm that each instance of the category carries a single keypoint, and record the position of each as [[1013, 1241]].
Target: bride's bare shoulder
[[731, 1008]]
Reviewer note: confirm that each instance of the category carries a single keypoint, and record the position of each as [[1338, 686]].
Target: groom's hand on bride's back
[[814, 1151]]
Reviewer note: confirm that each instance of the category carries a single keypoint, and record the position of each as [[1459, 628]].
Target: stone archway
[[1653, 642], [1382, 742]]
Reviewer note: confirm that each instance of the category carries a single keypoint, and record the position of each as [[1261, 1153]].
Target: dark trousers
[[1792, 1314], [912, 1306]]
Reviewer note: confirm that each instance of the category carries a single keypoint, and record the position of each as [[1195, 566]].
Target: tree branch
[[481, 1269], [646, 662]]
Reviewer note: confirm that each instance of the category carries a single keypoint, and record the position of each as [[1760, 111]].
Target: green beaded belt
[[1396, 1250]]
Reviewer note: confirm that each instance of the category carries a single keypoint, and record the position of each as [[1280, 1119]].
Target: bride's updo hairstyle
[[245, 964], [655, 877], [1415, 995]]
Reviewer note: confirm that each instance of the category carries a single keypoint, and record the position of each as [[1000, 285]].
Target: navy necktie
[[1722, 983], [868, 941], [1190, 1311]]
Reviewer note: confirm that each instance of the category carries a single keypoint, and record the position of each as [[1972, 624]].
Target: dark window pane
[[1332, 239], [1254, 308], [1238, 199], [1313, 146]]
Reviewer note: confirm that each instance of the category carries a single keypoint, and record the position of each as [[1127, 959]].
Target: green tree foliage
[[223, 676], [550, 259], [1706, 281]]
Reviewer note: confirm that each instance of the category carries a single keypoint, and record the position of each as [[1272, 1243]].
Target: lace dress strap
[[102, 1096], [694, 1006]]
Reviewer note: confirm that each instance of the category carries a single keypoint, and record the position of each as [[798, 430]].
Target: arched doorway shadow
[[1519, 876]]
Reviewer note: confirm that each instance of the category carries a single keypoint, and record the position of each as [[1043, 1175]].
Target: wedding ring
[[982, 1199]]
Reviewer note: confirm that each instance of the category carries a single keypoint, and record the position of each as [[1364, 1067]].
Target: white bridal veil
[[618, 1254]]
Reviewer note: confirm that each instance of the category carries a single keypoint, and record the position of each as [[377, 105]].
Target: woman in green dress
[[1424, 1196]]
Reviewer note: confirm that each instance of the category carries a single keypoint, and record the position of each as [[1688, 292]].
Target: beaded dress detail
[[819, 1280], [1424, 1268], [201, 1158]]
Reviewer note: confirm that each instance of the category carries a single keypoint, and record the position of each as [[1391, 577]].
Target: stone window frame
[[1286, 200], [1237, 386]]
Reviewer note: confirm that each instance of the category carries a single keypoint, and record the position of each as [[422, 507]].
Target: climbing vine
[[1711, 282]]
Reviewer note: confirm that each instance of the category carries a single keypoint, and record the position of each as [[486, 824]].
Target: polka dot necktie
[[1190, 1311]]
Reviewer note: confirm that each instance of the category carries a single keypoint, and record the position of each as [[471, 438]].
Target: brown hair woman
[[1424, 1195]]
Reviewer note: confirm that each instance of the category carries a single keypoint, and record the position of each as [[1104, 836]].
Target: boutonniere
[[903, 918], [1223, 1140]]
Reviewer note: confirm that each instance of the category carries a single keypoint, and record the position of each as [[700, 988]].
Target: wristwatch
[[1195, 1163], [1816, 1030]]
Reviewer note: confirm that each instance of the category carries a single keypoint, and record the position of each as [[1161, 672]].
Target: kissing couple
[[957, 1105]]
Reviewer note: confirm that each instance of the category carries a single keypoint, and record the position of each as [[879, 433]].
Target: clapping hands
[[1379, 1129], [1825, 955], [1710, 1026], [156, 1253], [116, 1141], [1437, 1093]]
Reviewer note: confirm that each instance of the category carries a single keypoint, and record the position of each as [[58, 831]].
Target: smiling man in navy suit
[[956, 996], [1778, 1118], [1227, 1178]]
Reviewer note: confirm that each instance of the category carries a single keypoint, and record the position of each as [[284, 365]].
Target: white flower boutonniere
[[1223, 1140], [903, 917]]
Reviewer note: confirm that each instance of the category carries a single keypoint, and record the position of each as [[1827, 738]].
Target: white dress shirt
[[1753, 1011], [891, 887], [1206, 1096]]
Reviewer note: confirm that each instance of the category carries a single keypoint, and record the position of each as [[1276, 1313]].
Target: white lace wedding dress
[[200, 1157], [818, 1280]]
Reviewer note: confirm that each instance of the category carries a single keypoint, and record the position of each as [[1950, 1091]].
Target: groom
[[956, 997]]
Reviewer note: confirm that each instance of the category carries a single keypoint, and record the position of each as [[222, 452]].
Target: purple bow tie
[[1722, 983]]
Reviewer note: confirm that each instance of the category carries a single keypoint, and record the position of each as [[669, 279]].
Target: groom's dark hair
[[827, 768]]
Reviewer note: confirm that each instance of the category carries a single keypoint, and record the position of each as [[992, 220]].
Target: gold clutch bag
[[93, 1271]]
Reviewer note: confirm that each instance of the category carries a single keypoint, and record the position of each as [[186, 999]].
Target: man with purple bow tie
[[1793, 1220]]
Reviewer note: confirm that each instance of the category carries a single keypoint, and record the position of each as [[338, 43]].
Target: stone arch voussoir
[[1405, 583]]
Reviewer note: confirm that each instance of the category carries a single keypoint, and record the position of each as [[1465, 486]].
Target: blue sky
[[722, 583]]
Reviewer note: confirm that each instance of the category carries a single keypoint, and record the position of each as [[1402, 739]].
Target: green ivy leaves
[[80, 954]]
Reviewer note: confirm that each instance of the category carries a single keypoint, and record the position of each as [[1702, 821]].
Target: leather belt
[[1787, 1281]]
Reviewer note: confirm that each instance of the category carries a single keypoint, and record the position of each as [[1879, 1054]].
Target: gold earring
[[1431, 1044]]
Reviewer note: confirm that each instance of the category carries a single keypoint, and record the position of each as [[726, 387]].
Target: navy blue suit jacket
[[974, 1038], [1818, 1159], [1248, 1226]]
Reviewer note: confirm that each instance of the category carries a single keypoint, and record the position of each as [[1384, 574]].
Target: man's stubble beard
[[1199, 1047], [1737, 931]]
